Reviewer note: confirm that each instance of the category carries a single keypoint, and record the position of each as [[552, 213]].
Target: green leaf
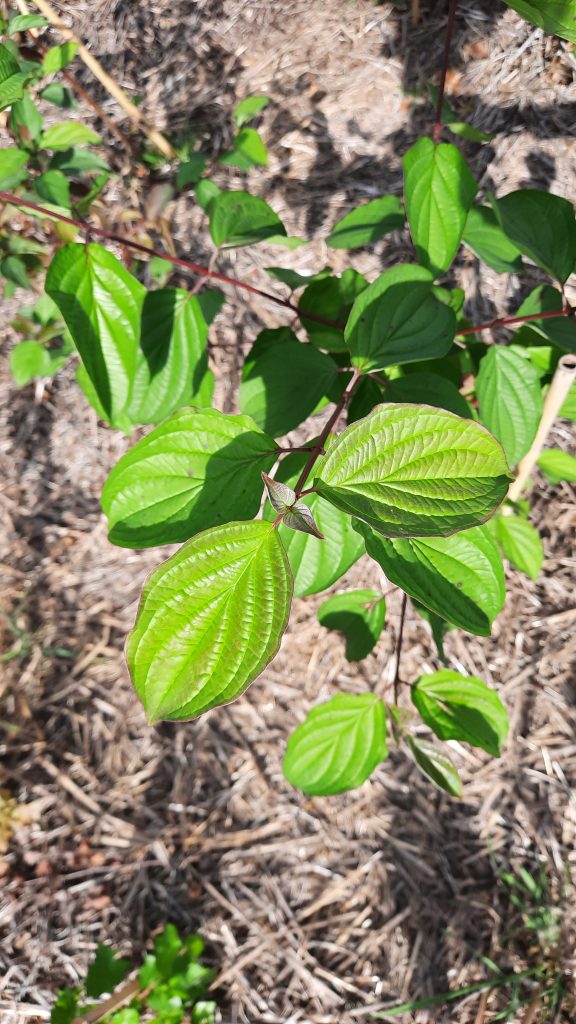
[[461, 708], [520, 543], [206, 192], [338, 746], [359, 615], [172, 358], [331, 298], [558, 17], [509, 399], [77, 161], [296, 514], [190, 172], [248, 108], [439, 189], [435, 765], [14, 269], [568, 410], [293, 279], [367, 224], [438, 626], [197, 469], [398, 319], [105, 972], [53, 187], [26, 120], [12, 163], [65, 1006], [414, 471], [486, 238], [59, 57], [460, 578], [59, 95], [68, 133], [558, 466], [283, 381], [101, 304], [248, 150], [210, 620], [11, 79], [29, 359], [127, 1015], [24, 22], [203, 1012], [468, 131], [430, 389], [542, 225], [167, 947], [237, 218], [559, 330]]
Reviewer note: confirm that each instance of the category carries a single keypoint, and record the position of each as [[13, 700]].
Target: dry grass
[[315, 911]]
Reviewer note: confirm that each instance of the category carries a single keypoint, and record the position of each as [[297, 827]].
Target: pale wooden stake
[[109, 84], [561, 383]]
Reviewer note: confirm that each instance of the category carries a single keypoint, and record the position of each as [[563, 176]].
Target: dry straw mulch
[[314, 910]]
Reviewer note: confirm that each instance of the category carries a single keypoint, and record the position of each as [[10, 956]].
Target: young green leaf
[[68, 133], [283, 381], [557, 17], [105, 972], [29, 359], [101, 304], [12, 163], [429, 389], [543, 227], [483, 234], [237, 218], [435, 764], [520, 543], [439, 189], [509, 399], [248, 109], [172, 359], [367, 224], [398, 319], [59, 57], [248, 150], [460, 578], [415, 471], [461, 708], [317, 564], [558, 466], [210, 620], [296, 514], [559, 330], [331, 298], [338, 745], [197, 469], [359, 615]]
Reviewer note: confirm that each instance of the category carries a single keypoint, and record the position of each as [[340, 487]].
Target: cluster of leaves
[[172, 984], [436, 420]]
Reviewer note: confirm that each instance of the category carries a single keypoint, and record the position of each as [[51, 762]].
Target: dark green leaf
[[428, 388], [461, 708], [486, 238], [435, 765], [248, 108], [509, 399], [367, 224], [542, 225], [14, 269], [331, 298], [439, 189], [248, 150], [558, 466], [77, 161], [414, 471], [210, 620], [167, 947], [101, 304], [438, 626], [12, 163], [283, 381], [190, 172], [359, 615], [197, 469], [520, 543], [559, 330], [237, 218], [59, 95], [398, 319], [105, 972], [65, 1007], [53, 187], [558, 17], [460, 578], [338, 746]]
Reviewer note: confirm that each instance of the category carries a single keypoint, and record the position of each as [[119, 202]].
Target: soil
[[313, 910]]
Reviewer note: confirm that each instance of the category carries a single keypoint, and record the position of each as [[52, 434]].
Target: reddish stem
[[330, 423], [509, 321], [444, 70]]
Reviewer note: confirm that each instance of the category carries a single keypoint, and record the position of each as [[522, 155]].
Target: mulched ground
[[314, 910]]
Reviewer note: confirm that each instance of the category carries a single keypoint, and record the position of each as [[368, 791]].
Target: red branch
[[444, 71], [509, 321]]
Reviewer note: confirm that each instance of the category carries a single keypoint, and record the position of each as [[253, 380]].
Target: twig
[[509, 321], [444, 71], [415, 11], [330, 423], [134, 113], [561, 383], [399, 646]]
